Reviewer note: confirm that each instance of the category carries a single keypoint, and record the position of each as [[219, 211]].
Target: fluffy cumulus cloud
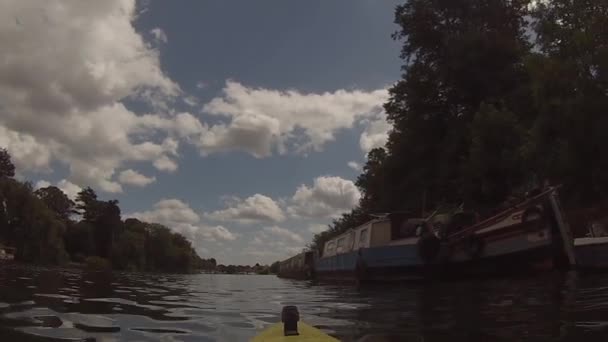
[[375, 133], [69, 188], [354, 165], [328, 197], [283, 234], [169, 211], [283, 243], [261, 121], [164, 163], [180, 217], [132, 177], [159, 35], [66, 67], [317, 228], [257, 208]]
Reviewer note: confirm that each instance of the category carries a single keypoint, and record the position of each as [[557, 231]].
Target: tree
[[107, 225], [79, 241], [57, 201], [7, 168], [372, 182], [570, 83], [459, 54], [29, 225], [87, 204], [495, 166]]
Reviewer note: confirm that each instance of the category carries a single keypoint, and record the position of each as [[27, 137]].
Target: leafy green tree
[[79, 241], [129, 252], [107, 224], [30, 225], [57, 201], [87, 204], [7, 168], [495, 166], [372, 182], [570, 88], [459, 54]]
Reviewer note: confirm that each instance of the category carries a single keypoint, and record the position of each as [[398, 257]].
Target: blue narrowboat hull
[[517, 253], [391, 261]]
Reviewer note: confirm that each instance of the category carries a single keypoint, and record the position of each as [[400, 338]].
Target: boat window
[[330, 248], [340, 247], [363, 238]]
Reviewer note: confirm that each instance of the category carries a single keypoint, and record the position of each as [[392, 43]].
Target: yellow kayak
[[274, 333], [292, 331]]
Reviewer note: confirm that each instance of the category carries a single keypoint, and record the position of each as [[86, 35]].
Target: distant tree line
[[495, 97], [40, 224], [242, 269]]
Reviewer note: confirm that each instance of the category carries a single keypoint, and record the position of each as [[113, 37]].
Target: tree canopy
[[495, 97], [43, 226]]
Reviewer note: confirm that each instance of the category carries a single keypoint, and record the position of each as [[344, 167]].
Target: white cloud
[[26, 151], [257, 208], [274, 243], [165, 163], [375, 133], [159, 35], [190, 101], [327, 198], [260, 121], [41, 184], [66, 67], [354, 165], [132, 177], [181, 218], [169, 211], [317, 228], [69, 188], [283, 234]]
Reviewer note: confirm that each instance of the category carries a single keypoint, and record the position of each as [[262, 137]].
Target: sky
[[241, 124]]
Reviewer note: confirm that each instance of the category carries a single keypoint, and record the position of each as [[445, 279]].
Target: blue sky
[[233, 122]]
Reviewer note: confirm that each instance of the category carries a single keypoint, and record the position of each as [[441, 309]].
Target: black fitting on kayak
[[290, 317]]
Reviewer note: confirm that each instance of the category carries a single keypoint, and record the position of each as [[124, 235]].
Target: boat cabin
[[373, 233], [390, 230]]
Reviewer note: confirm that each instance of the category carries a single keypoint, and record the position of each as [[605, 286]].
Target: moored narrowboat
[[528, 236], [299, 266]]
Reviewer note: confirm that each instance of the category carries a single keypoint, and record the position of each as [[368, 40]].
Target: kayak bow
[[290, 331]]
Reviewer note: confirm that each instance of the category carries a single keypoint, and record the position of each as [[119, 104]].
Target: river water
[[42, 304]]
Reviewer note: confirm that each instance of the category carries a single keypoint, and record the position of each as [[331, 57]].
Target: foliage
[[57, 201], [40, 224], [495, 97], [7, 168]]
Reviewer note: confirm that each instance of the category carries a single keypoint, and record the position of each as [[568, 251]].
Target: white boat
[[592, 251]]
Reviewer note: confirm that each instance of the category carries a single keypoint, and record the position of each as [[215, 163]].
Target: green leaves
[[7, 168], [40, 225], [495, 96]]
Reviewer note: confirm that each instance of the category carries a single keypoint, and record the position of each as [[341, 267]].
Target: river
[[53, 304]]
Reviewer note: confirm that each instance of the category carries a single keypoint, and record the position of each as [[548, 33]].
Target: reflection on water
[[40, 304]]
